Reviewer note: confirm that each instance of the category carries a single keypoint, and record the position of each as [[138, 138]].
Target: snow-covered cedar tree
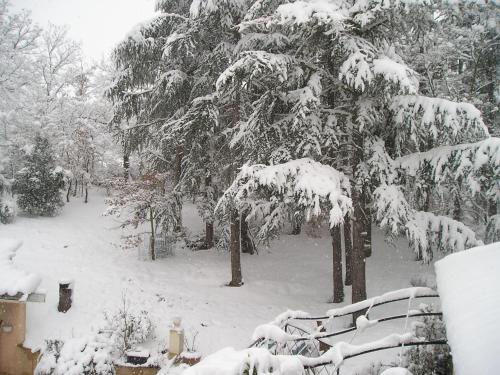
[[127, 328], [429, 359], [89, 355], [328, 81], [166, 106], [148, 203], [38, 184]]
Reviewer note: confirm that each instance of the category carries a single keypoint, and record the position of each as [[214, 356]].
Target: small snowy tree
[[127, 328], [144, 202], [38, 184]]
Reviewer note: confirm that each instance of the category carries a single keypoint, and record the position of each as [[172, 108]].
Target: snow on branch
[[304, 182], [438, 118], [464, 161], [364, 65], [253, 64], [315, 11], [261, 41], [226, 8], [365, 12], [424, 230]]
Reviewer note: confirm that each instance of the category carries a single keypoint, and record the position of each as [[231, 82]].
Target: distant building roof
[[469, 286], [14, 283]]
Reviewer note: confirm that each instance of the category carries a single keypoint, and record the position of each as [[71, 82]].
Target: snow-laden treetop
[[12, 279]]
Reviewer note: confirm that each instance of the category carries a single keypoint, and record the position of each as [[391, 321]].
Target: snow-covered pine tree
[[38, 184], [366, 91]]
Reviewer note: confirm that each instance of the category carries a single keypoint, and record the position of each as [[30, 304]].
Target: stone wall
[[14, 358]]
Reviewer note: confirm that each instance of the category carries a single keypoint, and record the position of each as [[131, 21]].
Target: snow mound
[[13, 280], [231, 362], [469, 287]]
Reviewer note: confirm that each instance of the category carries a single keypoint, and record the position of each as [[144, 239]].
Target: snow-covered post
[[65, 295], [176, 341]]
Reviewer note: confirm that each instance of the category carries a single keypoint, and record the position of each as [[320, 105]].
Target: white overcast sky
[[98, 24]]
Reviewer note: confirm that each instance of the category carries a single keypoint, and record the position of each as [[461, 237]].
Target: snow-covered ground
[[294, 273]]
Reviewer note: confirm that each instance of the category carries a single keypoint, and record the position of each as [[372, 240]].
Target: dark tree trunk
[[358, 232], [178, 164], [247, 244], [492, 207], [236, 278], [86, 194], [338, 283], [126, 165], [209, 235], [348, 250], [457, 206], [69, 191], [367, 246], [296, 224], [76, 187], [152, 239]]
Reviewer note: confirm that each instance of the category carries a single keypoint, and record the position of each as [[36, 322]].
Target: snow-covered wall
[[12, 279], [469, 286]]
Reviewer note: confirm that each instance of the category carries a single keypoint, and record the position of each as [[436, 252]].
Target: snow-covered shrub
[[429, 359], [422, 280], [7, 210], [90, 355], [372, 369], [38, 184], [128, 328]]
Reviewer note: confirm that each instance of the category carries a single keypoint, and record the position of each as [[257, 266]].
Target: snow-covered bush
[[429, 359], [7, 210], [90, 355], [7, 206], [128, 328], [38, 184]]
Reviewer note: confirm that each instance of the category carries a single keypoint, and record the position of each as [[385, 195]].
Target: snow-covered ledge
[[15, 284], [469, 286]]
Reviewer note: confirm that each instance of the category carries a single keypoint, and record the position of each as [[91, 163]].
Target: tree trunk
[[338, 283], [152, 239], [209, 235], [76, 187], [358, 231], [236, 278], [348, 250], [247, 244], [69, 191], [296, 224], [457, 206], [126, 163], [86, 194], [367, 243]]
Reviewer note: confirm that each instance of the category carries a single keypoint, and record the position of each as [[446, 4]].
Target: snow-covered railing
[[283, 337], [389, 297]]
